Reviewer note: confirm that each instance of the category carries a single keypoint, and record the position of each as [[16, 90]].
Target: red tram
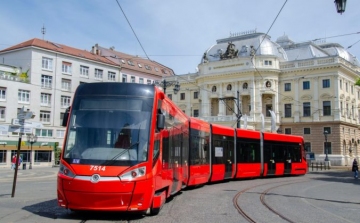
[[128, 148]]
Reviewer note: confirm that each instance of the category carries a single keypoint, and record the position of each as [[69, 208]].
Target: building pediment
[[325, 96], [306, 97], [288, 98]]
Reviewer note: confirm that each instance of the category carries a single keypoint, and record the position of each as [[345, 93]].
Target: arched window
[[213, 89], [245, 85], [228, 87]]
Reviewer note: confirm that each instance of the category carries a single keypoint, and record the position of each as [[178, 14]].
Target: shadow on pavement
[[51, 210]]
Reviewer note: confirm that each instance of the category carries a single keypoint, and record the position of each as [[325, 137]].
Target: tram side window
[[296, 153], [248, 152], [165, 152], [156, 151]]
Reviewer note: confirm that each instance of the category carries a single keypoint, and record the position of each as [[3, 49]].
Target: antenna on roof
[[43, 31]]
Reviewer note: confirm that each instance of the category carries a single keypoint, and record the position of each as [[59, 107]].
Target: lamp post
[[164, 84], [31, 138], [326, 146], [340, 6]]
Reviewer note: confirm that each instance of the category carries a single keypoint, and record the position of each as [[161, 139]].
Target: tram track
[[263, 194]]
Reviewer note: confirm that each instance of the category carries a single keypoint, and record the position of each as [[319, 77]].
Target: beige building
[[309, 86]]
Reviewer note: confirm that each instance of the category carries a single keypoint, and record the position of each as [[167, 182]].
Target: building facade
[[309, 87], [42, 77]]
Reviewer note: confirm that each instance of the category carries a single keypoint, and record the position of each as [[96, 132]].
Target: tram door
[[287, 159], [175, 160], [269, 159], [228, 158]]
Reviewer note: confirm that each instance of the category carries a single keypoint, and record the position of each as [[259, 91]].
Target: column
[[221, 104]]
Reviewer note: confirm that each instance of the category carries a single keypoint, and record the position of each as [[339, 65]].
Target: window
[[340, 84], [268, 62], [288, 131], [182, 96], [170, 96], [65, 101], [196, 113], [140, 65], [287, 86], [45, 99], [327, 148], [45, 116], [44, 132], [306, 85], [268, 84], [346, 87], [141, 80], [66, 67], [42, 156], [124, 78], [306, 109], [326, 108], [84, 71], [23, 96], [268, 107], [111, 76], [2, 113], [132, 79], [98, 74], [164, 71], [60, 133], [61, 117], [46, 81], [148, 81], [352, 89], [196, 95], [327, 129], [66, 84], [229, 87], [307, 146], [147, 67], [47, 63], [130, 63], [2, 94], [326, 83], [307, 131], [213, 89], [3, 156], [287, 110]]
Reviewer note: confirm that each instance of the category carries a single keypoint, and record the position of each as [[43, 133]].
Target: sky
[[175, 33]]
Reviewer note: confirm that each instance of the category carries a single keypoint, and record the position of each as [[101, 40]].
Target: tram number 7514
[[97, 168]]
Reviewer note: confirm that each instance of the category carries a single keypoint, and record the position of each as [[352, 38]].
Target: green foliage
[[358, 82]]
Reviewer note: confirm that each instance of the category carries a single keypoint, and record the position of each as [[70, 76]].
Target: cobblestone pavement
[[324, 196]]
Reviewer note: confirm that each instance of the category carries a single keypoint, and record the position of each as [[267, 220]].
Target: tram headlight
[[66, 171], [133, 174]]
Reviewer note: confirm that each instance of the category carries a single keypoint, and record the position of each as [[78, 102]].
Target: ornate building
[[309, 86]]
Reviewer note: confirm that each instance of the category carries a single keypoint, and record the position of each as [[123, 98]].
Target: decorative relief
[[306, 97]]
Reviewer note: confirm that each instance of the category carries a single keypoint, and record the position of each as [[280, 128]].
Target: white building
[[309, 86], [42, 76]]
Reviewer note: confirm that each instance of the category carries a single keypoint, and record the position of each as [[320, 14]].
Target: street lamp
[[31, 138], [326, 146], [340, 6], [164, 84]]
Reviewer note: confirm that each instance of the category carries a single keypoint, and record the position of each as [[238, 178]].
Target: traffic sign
[[20, 129], [25, 115], [4, 128], [22, 122]]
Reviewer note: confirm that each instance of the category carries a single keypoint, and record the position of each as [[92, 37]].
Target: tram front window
[[102, 134]]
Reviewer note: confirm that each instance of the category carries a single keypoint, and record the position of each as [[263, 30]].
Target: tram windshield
[[112, 131]]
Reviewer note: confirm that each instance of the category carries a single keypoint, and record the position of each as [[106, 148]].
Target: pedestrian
[[20, 161], [355, 168], [13, 161]]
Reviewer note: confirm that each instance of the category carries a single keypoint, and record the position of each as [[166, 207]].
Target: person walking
[[355, 168], [13, 162]]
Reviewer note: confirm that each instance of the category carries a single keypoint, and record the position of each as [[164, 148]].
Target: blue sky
[[174, 33]]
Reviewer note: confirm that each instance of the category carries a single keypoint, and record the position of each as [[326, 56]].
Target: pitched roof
[[44, 44], [108, 56]]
